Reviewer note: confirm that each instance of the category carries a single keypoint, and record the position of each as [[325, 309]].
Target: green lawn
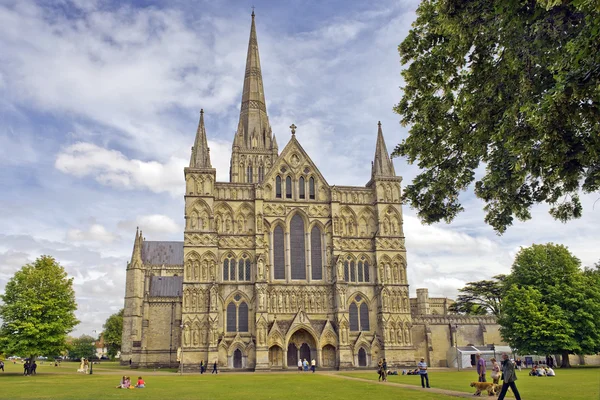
[[65, 383], [568, 384]]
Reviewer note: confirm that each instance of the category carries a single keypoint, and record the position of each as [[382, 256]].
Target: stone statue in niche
[[260, 264], [213, 298], [340, 270]]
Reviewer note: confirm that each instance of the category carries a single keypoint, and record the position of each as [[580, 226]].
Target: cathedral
[[278, 265]]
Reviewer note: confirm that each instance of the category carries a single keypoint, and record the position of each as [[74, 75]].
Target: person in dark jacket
[[201, 367], [214, 371], [509, 376]]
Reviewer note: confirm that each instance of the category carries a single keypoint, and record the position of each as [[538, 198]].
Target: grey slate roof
[[166, 286], [159, 253]]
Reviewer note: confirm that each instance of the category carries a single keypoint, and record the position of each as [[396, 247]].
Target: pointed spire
[[253, 112], [136, 255], [200, 152], [275, 142], [382, 164]]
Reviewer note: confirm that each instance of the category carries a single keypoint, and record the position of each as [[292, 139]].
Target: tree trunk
[[564, 363]]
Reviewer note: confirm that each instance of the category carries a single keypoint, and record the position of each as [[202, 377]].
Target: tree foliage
[[481, 297], [512, 85], [113, 331], [38, 310], [552, 305], [82, 347]]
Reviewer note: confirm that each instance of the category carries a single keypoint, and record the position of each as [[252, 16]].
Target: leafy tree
[[82, 347], [113, 330], [481, 297], [552, 305], [38, 310], [512, 85]]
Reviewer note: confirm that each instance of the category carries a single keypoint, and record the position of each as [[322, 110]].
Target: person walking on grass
[[313, 365], [2, 365], [214, 371], [480, 368], [201, 367], [300, 365], [384, 370], [509, 376], [423, 372]]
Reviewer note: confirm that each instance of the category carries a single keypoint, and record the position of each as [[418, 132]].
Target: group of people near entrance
[[303, 365], [126, 383]]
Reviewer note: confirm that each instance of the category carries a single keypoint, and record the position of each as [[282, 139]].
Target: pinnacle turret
[[382, 163], [200, 152]]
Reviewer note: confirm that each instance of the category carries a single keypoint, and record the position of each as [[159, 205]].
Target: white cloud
[[155, 224], [95, 233]]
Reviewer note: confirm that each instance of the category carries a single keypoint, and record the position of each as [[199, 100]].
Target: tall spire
[[382, 164], [200, 152], [254, 123]]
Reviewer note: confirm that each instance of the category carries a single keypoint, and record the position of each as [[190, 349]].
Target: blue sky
[[99, 105]]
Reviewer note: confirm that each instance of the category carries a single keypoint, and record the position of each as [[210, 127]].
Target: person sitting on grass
[[140, 383], [122, 384], [550, 372]]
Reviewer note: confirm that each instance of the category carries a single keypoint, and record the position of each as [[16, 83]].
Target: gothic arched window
[[248, 269], [352, 271], [226, 269], [297, 248], [278, 187], [241, 265], [278, 253], [231, 317], [229, 268], [301, 188], [364, 317], [261, 173], [347, 270], [237, 315], [359, 314], [249, 173], [353, 311], [316, 253], [311, 188], [288, 187], [363, 270]]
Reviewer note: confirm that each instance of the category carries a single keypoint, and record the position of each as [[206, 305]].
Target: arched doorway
[[328, 356], [305, 352], [276, 356], [362, 357], [292, 355], [301, 345], [237, 359]]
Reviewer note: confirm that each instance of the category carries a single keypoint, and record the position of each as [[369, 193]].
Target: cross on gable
[[293, 128]]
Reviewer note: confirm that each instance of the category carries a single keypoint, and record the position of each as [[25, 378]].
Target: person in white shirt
[[313, 365], [299, 365], [550, 372]]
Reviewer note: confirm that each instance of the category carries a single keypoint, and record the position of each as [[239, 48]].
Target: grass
[[66, 383], [568, 384]]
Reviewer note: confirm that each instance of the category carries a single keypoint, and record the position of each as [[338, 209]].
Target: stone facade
[[277, 264]]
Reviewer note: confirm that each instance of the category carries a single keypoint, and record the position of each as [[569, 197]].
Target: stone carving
[[213, 298], [352, 244], [290, 300], [318, 211], [390, 244], [340, 269], [341, 298], [260, 268], [236, 242], [277, 210]]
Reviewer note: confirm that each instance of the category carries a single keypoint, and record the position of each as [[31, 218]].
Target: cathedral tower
[[254, 146]]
